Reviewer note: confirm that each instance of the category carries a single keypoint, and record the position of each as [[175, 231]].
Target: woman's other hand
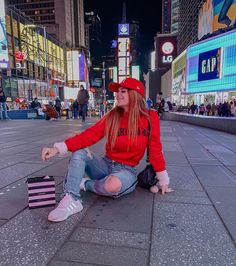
[[166, 189]]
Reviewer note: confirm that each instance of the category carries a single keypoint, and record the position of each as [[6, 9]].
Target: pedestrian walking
[[3, 105], [114, 175], [58, 106], [83, 97]]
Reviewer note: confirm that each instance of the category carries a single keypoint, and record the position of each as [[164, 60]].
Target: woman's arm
[[86, 138], [155, 150]]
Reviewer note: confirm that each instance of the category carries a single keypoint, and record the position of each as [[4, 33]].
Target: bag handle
[[149, 129]]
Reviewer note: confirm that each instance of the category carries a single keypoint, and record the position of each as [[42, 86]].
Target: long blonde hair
[[137, 108]]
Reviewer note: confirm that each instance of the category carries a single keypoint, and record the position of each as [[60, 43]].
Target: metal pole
[[104, 86]]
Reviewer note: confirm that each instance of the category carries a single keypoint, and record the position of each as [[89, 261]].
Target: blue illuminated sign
[[114, 44], [210, 75], [123, 29], [209, 65]]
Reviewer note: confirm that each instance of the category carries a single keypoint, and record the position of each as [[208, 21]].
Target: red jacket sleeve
[[87, 137], [155, 148]]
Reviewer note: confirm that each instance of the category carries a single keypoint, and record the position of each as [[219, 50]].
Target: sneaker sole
[[65, 217]]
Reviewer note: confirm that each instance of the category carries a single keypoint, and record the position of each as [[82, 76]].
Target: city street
[[195, 225]]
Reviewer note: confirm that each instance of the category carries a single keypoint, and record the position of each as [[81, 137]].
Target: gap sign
[[209, 66]]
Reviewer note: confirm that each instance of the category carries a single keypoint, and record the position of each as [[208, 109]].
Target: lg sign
[[167, 49]]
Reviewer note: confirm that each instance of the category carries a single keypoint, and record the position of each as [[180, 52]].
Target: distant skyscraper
[[188, 23], [63, 18], [93, 38], [174, 16], [166, 16]]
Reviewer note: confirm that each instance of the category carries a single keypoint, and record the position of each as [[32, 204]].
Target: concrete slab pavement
[[195, 225]]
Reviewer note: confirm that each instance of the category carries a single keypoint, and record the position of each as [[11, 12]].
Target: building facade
[[188, 23], [36, 60], [166, 16], [64, 19], [94, 36], [174, 16]]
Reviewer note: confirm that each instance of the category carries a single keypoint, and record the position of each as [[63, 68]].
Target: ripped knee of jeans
[[112, 184]]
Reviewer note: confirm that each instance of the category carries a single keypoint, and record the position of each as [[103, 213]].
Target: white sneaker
[[82, 184], [66, 208]]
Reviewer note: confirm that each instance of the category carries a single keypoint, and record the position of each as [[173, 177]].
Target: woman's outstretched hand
[[48, 153], [164, 189]]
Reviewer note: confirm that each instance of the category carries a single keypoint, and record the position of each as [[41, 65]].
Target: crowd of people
[[226, 109], [52, 110], [79, 107]]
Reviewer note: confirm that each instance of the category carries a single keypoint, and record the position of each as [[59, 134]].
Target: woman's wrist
[[163, 178], [61, 147]]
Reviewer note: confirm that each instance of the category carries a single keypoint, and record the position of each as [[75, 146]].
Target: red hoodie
[[124, 151]]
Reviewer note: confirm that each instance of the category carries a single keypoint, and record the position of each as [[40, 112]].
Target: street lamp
[[45, 46]]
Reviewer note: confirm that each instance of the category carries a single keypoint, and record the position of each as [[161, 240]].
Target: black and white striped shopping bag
[[41, 191]]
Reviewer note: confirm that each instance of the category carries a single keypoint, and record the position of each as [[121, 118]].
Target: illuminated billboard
[[4, 60], [211, 64], [166, 50], [123, 58], [216, 14], [205, 19], [224, 13], [73, 74], [136, 72], [179, 75]]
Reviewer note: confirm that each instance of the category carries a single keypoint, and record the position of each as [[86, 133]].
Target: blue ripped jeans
[[97, 169]]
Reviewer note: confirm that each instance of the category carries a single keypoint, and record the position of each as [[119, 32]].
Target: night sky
[[147, 12]]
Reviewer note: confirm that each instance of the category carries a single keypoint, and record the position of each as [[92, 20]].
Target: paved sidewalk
[[195, 225]]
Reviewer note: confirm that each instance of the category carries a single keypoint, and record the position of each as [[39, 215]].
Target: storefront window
[[10, 87]]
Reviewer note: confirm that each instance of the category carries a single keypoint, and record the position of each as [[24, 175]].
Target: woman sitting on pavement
[[126, 130]]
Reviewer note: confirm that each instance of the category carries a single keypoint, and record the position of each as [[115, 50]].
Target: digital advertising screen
[[205, 19], [211, 64], [179, 74], [4, 60], [215, 15], [224, 13], [73, 66]]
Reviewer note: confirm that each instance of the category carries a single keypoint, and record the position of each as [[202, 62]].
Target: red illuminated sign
[[20, 56]]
